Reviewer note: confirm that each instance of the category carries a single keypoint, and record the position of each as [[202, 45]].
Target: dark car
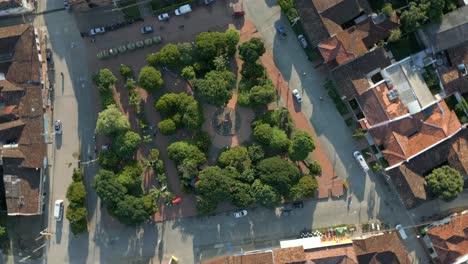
[[280, 30], [298, 205]]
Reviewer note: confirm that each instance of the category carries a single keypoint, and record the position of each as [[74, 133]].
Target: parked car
[[163, 17], [58, 127], [402, 232], [280, 30], [183, 10], [240, 214], [97, 31], [462, 69], [297, 95], [360, 159], [286, 212], [208, 2], [58, 210], [298, 205], [146, 29], [303, 41]]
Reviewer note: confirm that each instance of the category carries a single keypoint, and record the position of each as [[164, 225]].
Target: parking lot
[[177, 29]]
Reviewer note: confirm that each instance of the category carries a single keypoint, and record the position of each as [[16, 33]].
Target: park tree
[[126, 144], [213, 186], [125, 71], [208, 45], [252, 71], [132, 210], [302, 144], [180, 151], [104, 79], [77, 175], [216, 87], [108, 188], [445, 182], [78, 218], [205, 206], [315, 168], [263, 134], [220, 63], [109, 160], [250, 51], [434, 9], [264, 194], [150, 78], [131, 176], [168, 56], [193, 116], [188, 72], [277, 118], [279, 141], [241, 194], [130, 84], [256, 152], [237, 157], [168, 104], [167, 127], [76, 193], [278, 173], [202, 140], [262, 95], [305, 188], [232, 39], [186, 53], [111, 121]]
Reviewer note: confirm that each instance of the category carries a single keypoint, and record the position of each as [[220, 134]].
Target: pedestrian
[[321, 98], [303, 73]]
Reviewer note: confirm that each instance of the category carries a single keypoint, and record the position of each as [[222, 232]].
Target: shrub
[[77, 175], [125, 71], [76, 193], [315, 168], [167, 127], [150, 78]]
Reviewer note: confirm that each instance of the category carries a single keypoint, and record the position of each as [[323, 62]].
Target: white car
[[240, 214], [164, 16], [360, 159], [303, 41], [96, 31], [58, 210], [297, 95], [402, 232], [58, 127]]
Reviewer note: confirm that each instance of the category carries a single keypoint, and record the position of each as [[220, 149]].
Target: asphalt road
[[191, 239]]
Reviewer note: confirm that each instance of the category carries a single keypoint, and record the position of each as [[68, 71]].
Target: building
[[15, 7], [447, 239], [22, 137], [448, 41], [383, 248]]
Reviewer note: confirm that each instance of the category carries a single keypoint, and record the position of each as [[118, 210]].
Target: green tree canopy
[[302, 144], [278, 173], [305, 188], [108, 188], [78, 218], [168, 56], [180, 151], [168, 104], [263, 134], [216, 87], [76, 193], [445, 182], [256, 152], [126, 144], [104, 79], [111, 121], [241, 195], [250, 51], [414, 17], [126, 71], [213, 186], [131, 176], [167, 127], [264, 194], [186, 53], [150, 78], [252, 71], [188, 73], [237, 157], [134, 210], [262, 95], [279, 140], [232, 39]]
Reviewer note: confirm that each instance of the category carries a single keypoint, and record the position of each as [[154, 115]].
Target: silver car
[[164, 16], [303, 41], [96, 31], [240, 214], [360, 159], [58, 127], [297, 95]]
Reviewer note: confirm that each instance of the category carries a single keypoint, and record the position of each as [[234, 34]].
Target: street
[[193, 239]]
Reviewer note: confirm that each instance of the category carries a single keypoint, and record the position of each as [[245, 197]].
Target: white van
[[183, 10], [58, 210], [360, 159], [402, 232]]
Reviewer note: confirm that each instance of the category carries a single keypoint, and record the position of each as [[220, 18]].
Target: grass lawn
[[404, 47], [333, 93], [130, 9]]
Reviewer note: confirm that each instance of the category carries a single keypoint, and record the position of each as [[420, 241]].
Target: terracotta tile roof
[[351, 77], [371, 33], [452, 79], [378, 108], [289, 255], [450, 240], [341, 48], [21, 116], [343, 254], [385, 249], [257, 258], [22, 197], [409, 177], [312, 22], [406, 137]]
